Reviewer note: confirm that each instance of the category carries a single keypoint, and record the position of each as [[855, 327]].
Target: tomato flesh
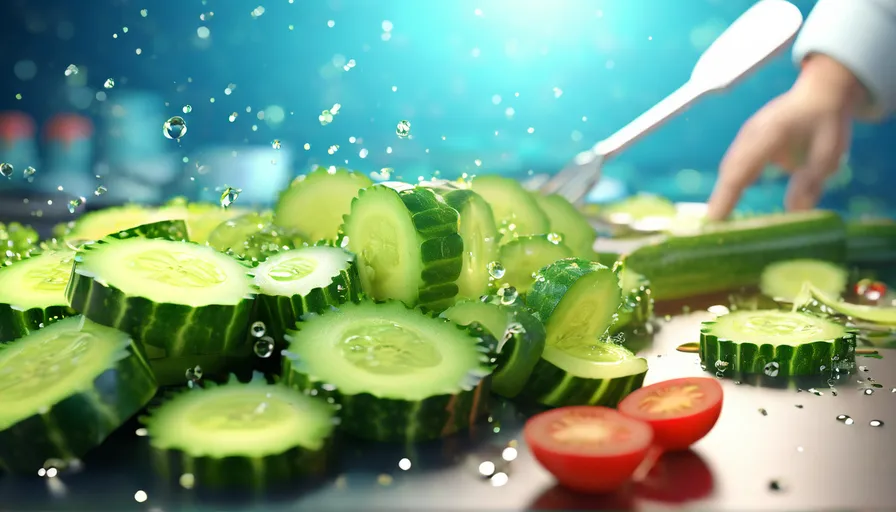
[[680, 411], [588, 449]]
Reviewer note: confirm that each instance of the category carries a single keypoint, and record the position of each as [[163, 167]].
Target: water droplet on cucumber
[[264, 347], [555, 238], [846, 420], [508, 295], [876, 423], [194, 374], [495, 269], [772, 369], [258, 329]]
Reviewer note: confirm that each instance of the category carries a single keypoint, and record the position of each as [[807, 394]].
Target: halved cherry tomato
[[588, 449], [681, 411]]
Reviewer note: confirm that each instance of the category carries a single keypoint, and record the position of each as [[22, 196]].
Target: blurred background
[[256, 92]]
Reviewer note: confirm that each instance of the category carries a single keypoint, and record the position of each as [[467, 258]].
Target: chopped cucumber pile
[[389, 312]]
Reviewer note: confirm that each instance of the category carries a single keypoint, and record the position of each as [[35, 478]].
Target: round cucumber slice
[[240, 435], [315, 204], [397, 373], [176, 298], [301, 281], [637, 301], [784, 280], [567, 221], [480, 237], [515, 210], [641, 212], [32, 293], [524, 256], [64, 389], [252, 237], [407, 245], [521, 340], [777, 343]]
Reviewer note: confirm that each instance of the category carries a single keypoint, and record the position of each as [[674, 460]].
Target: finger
[[807, 185], [750, 152]]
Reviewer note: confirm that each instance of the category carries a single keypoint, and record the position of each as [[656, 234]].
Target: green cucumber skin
[[799, 361], [457, 199], [175, 230], [871, 242], [636, 309], [15, 323], [175, 329], [553, 387], [82, 421], [441, 247], [518, 355], [684, 266], [556, 279]]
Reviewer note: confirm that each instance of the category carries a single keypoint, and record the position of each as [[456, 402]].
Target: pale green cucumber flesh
[[784, 280], [480, 237], [37, 282], [516, 212], [523, 257], [316, 203], [585, 313], [773, 327], [299, 271], [598, 360], [566, 220], [884, 315]]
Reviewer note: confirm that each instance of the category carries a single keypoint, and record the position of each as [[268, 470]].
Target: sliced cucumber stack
[[301, 281], [236, 435], [784, 280], [524, 256], [177, 299], [567, 221], [398, 374], [252, 237], [407, 245], [776, 343], [314, 204], [578, 302], [480, 237], [32, 293], [637, 301], [521, 340], [64, 389], [516, 212]]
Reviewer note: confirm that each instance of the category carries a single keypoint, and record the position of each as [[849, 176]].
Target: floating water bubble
[[228, 196], [876, 423], [487, 468], [233, 116], [74, 204], [71, 70], [6, 170], [29, 172], [555, 238], [325, 117], [109, 83], [508, 295], [193, 374], [187, 109], [264, 347], [275, 144], [868, 391], [495, 269], [846, 420], [140, 496], [174, 128], [403, 129], [384, 479], [100, 190], [772, 369], [187, 480], [763, 412], [258, 329], [404, 464], [144, 12], [333, 149], [499, 479]]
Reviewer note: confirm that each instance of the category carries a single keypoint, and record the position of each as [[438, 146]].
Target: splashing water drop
[[74, 204], [109, 83], [6, 170], [264, 347], [403, 129], [71, 70], [495, 269], [174, 128], [187, 109], [258, 329], [275, 144], [100, 190], [508, 295], [193, 374], [29, 172], [229, 196]]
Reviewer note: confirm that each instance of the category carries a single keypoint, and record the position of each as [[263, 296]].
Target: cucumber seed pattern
[[388, 349], [50, 278], [177, 269], [26, 371], [237, 413], [779, 326]]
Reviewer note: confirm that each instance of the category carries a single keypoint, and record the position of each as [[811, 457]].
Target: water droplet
[[193, 374], [187, 109], [876, 423], [140, 496], [404, 464], [109, 83], [258, 329], [264, 347], [555, 238], [29, 172], [6, 170], [100, 190], [174, 128], [776, 486], [799, 406], [508, 295], [487, 468], [846, 420], [869, 391], [763, 411], [815, 392], [71, 70], [495, 269], [721, 366], [333, 149], [228, 196], [74, 204], [499, 479], [232, 117], [187, 480], [325, 117], [403, 129], [772, 369], [863, 368], [275, 144]]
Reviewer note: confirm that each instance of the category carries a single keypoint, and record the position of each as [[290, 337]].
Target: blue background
[[610, 59]]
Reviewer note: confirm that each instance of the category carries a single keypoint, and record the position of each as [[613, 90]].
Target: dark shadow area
[[677, 478]]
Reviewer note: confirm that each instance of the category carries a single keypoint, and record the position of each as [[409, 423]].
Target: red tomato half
[[681, 411], [588, 449]]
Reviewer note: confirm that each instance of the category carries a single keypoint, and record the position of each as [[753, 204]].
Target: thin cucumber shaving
[[480, 237], [315, 204], [883, 315], [64, 389], [524, 256], [175, 298], [516, 212], [239, 435], [407, 245], [784, 280], [32, 293], [578, 302], [521, 340], [776, 343], [398, 374]]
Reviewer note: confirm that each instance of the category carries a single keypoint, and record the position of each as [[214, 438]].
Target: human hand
[[804, 131]]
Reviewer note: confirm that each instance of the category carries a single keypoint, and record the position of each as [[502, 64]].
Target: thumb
[[807, 185]]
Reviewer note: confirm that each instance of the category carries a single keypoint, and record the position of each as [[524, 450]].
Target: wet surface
[[795, 455]]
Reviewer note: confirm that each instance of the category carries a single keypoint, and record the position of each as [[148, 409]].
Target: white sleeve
[[860, 35]]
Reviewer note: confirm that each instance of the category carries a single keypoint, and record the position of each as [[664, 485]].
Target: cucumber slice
[[398, 374], [240, 435], [567, 221], [32, 293], [516, 212], [17, 242], [308, 280], [407, 246], [175, 230], [521, 343], [524, 256], [641, 212], [637, 302], [175, 298], [200, 218], [883, 315], [871, 241], [253, 237], [480, 237], [578, 302], [784, 280], [733, 254], [315, 204], [64, 389], [776, 343]]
